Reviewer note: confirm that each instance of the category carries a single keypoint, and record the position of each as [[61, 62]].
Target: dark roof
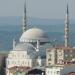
[[35, 71]]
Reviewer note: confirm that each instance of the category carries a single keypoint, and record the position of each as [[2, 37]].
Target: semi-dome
[[24, 46], [34, 34]]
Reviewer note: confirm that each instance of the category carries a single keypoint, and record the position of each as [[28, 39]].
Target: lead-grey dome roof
[[34, 34]]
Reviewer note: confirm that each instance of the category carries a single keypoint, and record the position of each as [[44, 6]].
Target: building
[[60, 61], [60, 55], [60, 70], [53, 70], [21, 58]]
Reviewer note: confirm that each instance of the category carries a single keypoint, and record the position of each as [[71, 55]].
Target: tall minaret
[[24, 18], [67, 28]]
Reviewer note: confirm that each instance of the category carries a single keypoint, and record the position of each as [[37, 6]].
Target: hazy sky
[[37, 8]]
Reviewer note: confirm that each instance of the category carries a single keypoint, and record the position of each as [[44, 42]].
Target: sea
[[54, 29]]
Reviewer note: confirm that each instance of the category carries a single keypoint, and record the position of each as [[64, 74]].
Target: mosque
[[26, 56], [29, 58]]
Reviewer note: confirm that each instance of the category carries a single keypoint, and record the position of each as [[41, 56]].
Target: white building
[[50, 57], [22, 56], [60, 55], [54, 70]]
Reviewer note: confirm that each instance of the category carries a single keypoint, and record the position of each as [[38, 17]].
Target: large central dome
[[34, 34]]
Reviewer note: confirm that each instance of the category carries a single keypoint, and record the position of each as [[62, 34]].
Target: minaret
[[14, 43], [24, 18], [67, 28]]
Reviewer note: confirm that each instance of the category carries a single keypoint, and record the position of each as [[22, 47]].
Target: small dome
[[24, 46], [34, 34]]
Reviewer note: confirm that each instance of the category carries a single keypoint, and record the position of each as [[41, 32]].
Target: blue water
[[8, 32]]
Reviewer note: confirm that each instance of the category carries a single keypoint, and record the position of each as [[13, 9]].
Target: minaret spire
[[25, 18], [67, 28]]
